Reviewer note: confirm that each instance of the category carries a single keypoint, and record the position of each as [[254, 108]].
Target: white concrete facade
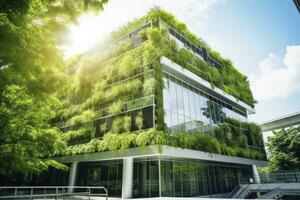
[[255, 174], [72, 177], [127, 180]]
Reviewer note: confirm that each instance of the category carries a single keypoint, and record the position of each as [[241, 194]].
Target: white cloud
[[91, 29], [277, 78]]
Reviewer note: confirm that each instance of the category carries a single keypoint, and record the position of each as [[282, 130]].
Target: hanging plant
[[139, 120], [127, 123]]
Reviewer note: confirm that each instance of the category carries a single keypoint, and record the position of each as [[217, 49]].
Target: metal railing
[[233, 192], [52, 192], [283, 177]]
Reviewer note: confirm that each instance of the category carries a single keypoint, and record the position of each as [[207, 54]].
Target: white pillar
[[255, 174], [127, 180], [72, 176]]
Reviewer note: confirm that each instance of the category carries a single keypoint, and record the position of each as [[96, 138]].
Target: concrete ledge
[[161, 151]]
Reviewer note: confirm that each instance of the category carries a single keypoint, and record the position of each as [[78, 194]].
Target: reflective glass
[[195, 178], [192, 109]]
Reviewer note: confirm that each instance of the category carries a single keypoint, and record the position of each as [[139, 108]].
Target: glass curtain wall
[[103, 173], [189, 109], [145, 178], [187, 178]]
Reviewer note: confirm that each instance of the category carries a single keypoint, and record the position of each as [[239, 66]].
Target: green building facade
[[154, 111]]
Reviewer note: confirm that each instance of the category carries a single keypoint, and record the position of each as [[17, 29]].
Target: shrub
[[118, 125], [139, 120], [115, 108], [127, 123]]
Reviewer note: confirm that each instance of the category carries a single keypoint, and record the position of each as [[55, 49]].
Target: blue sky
[[247, 32], [261, 37]]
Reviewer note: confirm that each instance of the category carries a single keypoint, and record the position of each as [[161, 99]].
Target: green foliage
[[31, 74], [115, 68], [151, 137], [116, 107], [26, 137], [139, 120], [128, 65], [227, 78], [85, 116], [149, 86], [118, 125], [284, 149], [197, 141], [127, 123], [253, 130]]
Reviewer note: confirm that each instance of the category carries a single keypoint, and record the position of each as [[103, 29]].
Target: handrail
[[267, 195], [243, 189], [57, 191], [233, 192], [282, 177]]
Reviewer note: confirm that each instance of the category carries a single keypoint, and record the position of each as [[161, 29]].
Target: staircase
[[279, 193], [242, 192], [272, 191]]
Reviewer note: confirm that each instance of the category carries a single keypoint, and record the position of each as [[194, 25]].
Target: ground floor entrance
[[165, 177], [153, 172]]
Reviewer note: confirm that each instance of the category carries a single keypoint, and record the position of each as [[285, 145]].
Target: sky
[[261, 37]]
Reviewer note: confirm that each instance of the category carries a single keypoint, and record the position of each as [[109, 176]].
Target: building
[[297, 4], [155, 112], [282, 122]]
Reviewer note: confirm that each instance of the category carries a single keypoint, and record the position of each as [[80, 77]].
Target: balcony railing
[[128, 106], [282, 177], [202, 52]]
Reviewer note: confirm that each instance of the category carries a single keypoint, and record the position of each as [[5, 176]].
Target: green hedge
[[197, 141]]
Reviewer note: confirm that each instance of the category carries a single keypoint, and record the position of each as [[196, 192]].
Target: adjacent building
[[286, 121], [155, 112]]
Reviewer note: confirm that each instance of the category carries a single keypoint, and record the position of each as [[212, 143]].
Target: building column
[[72, 176], [127, 180], [255, 174]]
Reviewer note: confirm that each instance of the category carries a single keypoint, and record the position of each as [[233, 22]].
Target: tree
[[284, 148], [31, 71], [27, 138]]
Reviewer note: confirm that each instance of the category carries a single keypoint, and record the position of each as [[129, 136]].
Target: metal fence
[[286, 177], [51, 192]]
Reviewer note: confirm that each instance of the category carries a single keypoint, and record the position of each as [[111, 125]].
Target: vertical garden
[[114, 96]]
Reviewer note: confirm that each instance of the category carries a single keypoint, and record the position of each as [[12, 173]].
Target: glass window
[[180, 103], [166, 94], [173, 98], [198, 178], [186, 102], [186, 178], [102, 173], [192, 103], [145, 179], [167, 174], [192, 109], [177, 179]]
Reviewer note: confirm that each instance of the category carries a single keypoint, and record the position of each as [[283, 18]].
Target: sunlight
[[92, 28], [85, 34]]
